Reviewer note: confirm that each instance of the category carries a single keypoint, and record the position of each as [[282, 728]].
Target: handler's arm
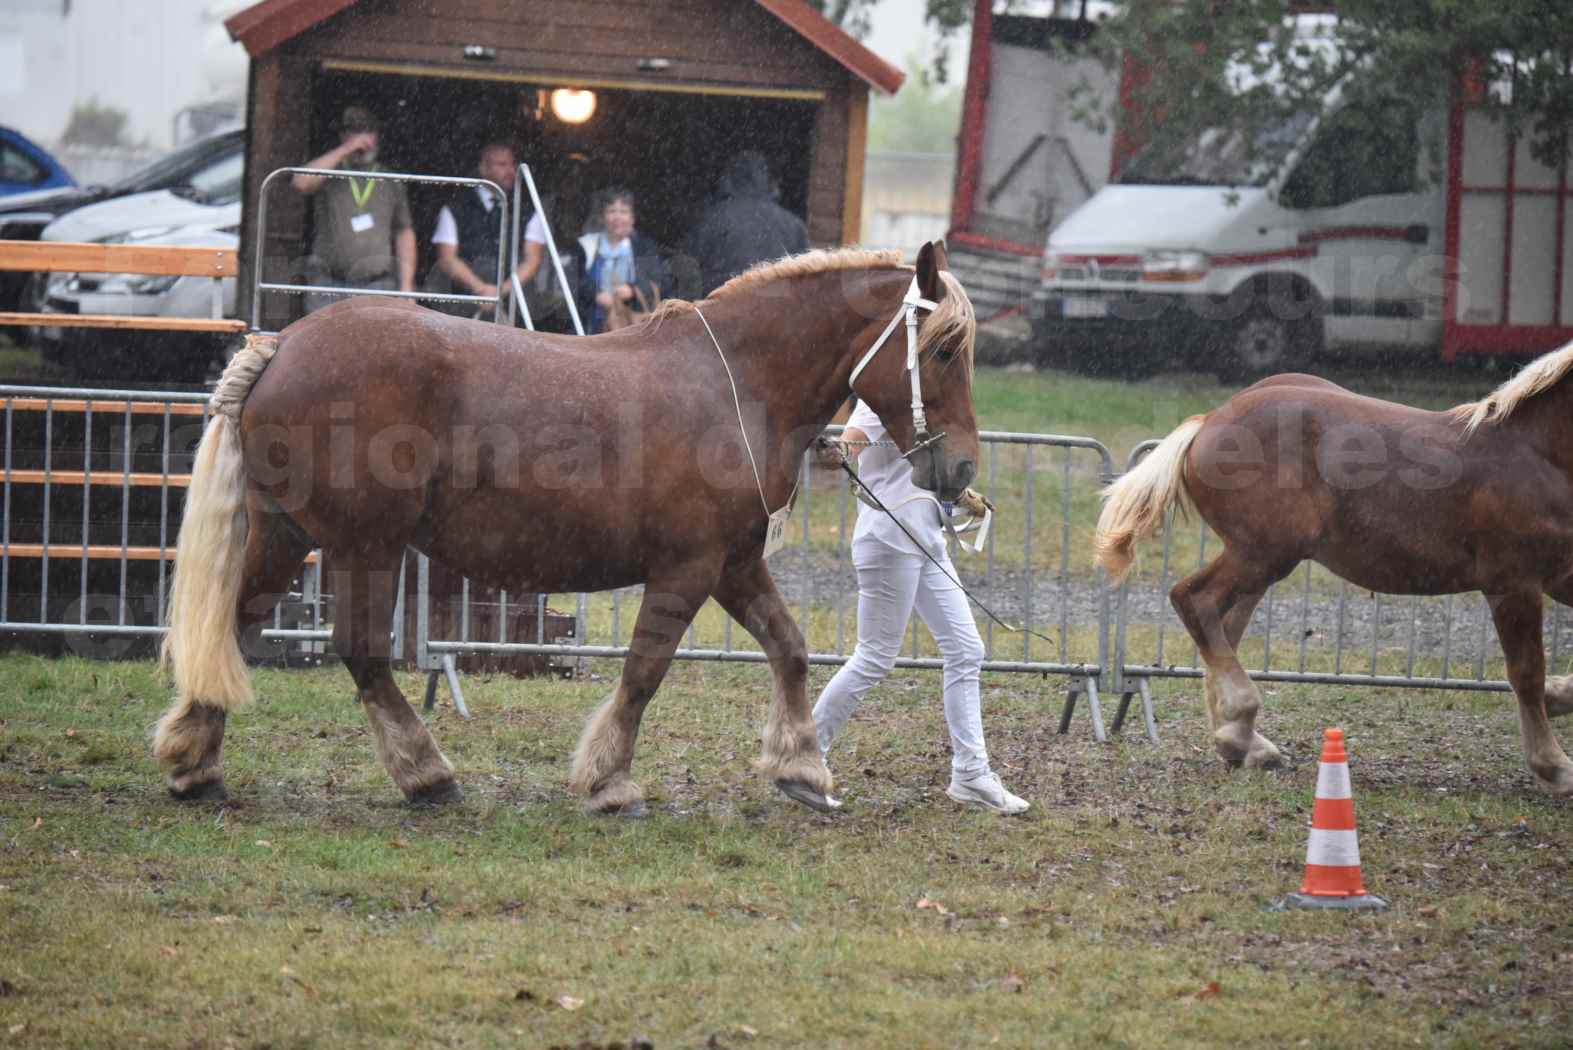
[[459, 271], [404, 252]]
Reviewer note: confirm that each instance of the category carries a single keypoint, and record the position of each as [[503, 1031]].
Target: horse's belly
[[531, 568]]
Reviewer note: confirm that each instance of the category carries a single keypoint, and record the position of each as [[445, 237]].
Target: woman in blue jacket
[[621, 265]]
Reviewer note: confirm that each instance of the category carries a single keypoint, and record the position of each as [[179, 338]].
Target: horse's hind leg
[[791, 755], [1235, 622], [1519, 619], [365, 586], [605, 755], [1559, 688], [1215, 604], [190, 738]]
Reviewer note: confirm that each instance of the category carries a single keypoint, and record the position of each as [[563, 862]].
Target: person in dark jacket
[[620, 265], [745, 225]]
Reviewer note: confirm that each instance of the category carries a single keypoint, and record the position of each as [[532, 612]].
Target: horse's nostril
[[966, 470]]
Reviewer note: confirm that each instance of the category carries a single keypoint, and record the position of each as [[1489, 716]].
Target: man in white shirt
[[467, 237]]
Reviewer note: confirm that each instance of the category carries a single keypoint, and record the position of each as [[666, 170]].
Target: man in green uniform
[[364, 235]]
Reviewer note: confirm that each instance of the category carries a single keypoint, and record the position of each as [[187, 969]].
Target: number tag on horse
[[775, 531]]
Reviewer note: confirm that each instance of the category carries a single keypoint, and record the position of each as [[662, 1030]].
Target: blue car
[[26, 168]]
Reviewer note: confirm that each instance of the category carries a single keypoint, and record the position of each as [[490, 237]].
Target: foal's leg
[[190, 737], [1519, 619], [365, 585], [791, 755], [1204, 600], [605, 754]]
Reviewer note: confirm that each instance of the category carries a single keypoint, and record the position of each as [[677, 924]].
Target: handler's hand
[[974, 502], [830, 453]]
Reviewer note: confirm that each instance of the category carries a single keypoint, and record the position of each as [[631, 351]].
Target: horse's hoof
[[1559, 784], [442, 793], [1273, 759], [206, 791], [798, 791], [634, 810]]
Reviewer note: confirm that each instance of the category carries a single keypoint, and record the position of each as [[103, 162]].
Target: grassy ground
[[1126, 909]]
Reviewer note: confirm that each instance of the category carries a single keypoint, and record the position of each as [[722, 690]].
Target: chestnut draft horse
[[547, 464], [1392, 499]]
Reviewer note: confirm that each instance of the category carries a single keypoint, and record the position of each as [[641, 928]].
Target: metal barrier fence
[[1312, 627], [91, 483], [1035, 568]]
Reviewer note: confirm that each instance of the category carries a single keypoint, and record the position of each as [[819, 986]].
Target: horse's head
[[941, 439]]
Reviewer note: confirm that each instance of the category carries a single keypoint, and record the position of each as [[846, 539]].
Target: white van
[[1202, 257]]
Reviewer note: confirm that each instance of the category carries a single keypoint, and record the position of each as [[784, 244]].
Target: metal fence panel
[[82, 560], [1036, 570]]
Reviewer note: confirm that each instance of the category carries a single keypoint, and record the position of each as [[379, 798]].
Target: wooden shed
[[681, 86]]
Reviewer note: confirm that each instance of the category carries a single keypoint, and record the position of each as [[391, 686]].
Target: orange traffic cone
[[1332, 856]]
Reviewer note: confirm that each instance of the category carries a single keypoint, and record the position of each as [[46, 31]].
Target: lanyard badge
[[361, 194]]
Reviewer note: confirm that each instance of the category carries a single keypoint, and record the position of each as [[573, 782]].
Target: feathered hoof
[[618, 797], [442, 793], [206, 791], [813, 798], [1557, 781]]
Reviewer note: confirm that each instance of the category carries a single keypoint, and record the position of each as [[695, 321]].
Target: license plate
[[1084, 307]]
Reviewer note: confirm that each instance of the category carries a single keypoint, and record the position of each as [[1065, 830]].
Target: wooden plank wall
[[278, 126], [730, 42]]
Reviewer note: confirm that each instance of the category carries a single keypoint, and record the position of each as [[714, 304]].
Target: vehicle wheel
[[1265, 341], [1048, 350]]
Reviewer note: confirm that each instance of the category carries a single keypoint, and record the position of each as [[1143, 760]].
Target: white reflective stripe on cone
[[1333, 849], [1332, 780]]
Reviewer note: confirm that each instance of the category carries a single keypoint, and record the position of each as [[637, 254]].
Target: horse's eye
[[944, 356]]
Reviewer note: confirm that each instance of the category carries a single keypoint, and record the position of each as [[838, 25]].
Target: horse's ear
[[931, 260]]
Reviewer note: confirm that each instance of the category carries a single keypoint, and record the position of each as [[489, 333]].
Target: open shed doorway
[[668, 147]]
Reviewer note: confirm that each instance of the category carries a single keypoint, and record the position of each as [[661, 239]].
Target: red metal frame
[[1503, 337], [970, 145], [993, 244]]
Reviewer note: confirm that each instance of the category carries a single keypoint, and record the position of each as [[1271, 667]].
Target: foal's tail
[[1134, 506], [210, 555]]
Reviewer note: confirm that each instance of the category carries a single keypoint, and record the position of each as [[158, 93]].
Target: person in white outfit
[[894, 578]]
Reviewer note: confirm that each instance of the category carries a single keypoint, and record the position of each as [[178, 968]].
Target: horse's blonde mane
[[1537, 377], [817, 261], [954, 317]]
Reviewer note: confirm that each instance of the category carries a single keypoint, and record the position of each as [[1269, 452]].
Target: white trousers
[[891, 584]]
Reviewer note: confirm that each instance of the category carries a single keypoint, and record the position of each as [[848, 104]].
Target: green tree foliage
[[1194, 53], [92, 124], [923, 117], [1243, 64], [851, 15]]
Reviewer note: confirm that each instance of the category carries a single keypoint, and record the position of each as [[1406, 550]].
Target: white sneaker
[[987, 791]]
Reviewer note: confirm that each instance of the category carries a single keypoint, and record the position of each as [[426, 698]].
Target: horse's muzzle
[[961, 475]]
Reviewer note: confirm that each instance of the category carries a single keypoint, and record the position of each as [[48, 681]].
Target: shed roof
[[265, 25]]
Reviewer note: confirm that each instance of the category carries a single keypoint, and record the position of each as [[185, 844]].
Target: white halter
[[909, 308]]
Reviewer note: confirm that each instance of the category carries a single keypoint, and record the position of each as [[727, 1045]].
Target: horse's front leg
[[791, 755], [1519, 617], [605, 754]]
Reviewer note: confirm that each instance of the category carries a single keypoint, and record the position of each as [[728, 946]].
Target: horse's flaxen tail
[[1134, 506], [210, 554]]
